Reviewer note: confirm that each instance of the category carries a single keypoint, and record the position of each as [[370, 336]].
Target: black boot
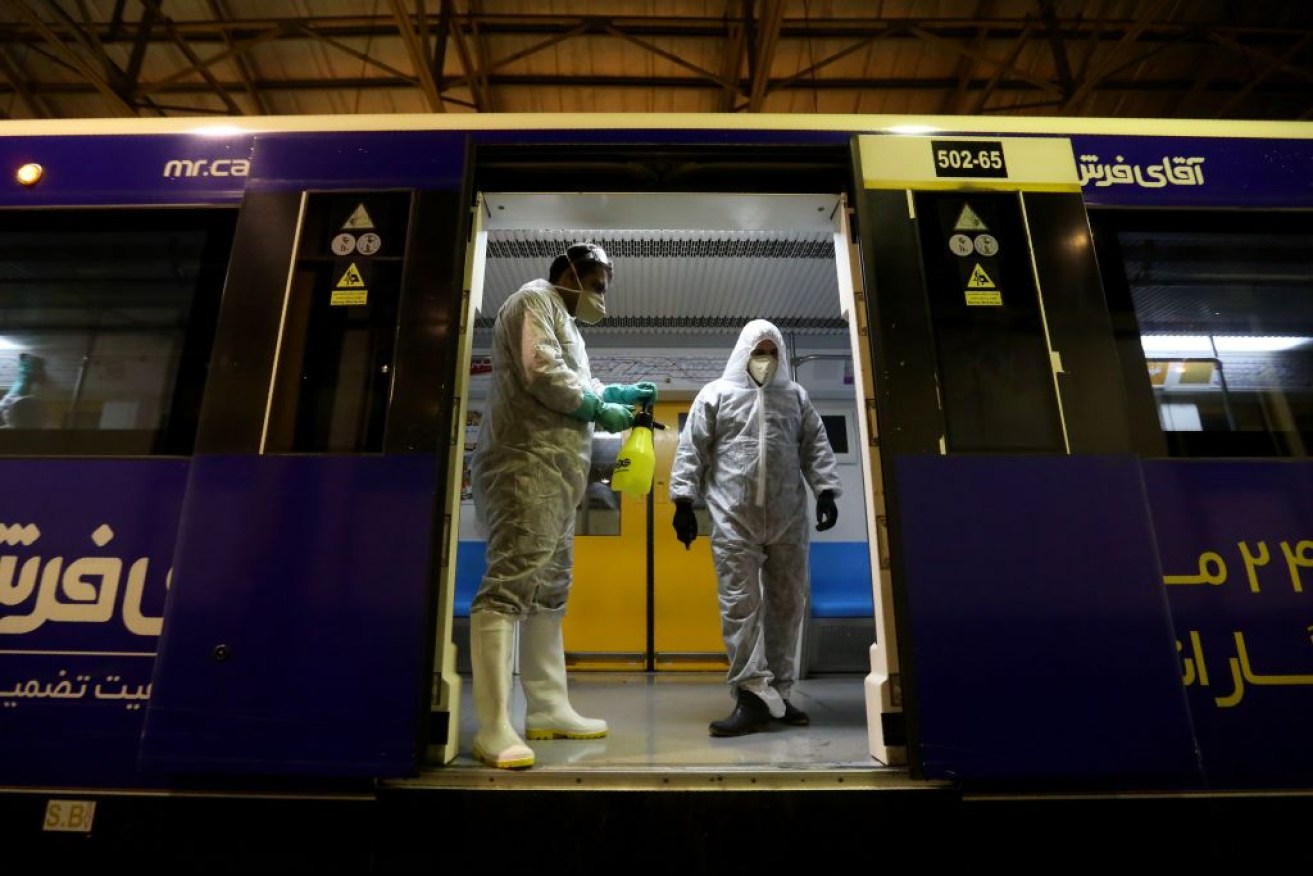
[[750, 715], [794, 716]]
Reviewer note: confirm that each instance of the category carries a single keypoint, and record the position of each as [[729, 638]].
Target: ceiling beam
[[35, 105], [234, 51], [419, 58], [1008, 67], [475, 79], [201, 68], [1274, 64], [763, 36], [1009, 63], [481, 62], [1106, 65], [242, 65], [966, 65], [115, 100]]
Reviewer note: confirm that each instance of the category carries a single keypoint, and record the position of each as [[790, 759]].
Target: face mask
[[762, 367], [590, 306]]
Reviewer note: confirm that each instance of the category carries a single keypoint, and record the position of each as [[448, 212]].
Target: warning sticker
[[348, 297], [343, 244], [352, 279], [359, 219], [369, 243], [967, 220], [978, 279], [989, 298]]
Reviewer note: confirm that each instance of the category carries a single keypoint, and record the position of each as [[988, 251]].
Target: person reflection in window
[[23, 407]]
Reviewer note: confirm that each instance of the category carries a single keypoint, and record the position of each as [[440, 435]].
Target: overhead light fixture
[[1221, 343]]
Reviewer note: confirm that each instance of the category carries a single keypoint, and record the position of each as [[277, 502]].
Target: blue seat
[[471, 560], [841, 580]]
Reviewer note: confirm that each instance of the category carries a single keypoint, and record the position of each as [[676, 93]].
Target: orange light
[[30, 174]]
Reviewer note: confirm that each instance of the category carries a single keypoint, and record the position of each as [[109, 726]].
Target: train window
[[836, 430], [1224, 309], [106, 323], [599, 513], [335, 355]]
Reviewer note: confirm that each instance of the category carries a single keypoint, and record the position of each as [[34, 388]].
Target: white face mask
[[591, 307], [590, 304], [762, 367]]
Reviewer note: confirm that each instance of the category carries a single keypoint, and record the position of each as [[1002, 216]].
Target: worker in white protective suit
[[751, 440], [528, 475]]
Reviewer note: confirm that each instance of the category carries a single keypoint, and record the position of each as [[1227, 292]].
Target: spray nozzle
[[643, 417]]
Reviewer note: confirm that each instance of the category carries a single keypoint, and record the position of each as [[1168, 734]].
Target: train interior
[[642, 628]]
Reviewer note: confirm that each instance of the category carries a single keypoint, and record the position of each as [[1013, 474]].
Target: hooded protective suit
[[746, 450], [530, 468]]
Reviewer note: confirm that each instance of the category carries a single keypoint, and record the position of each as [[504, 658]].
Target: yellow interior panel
[[685, 605], [606, 622], [606, 618]]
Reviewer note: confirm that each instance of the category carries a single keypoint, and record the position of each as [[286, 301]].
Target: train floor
[[659, 735]]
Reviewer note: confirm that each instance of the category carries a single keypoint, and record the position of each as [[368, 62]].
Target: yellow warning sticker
[[348, 297], [358, 219], [978, 280], [351, 278], [992, 298], [967, 220]]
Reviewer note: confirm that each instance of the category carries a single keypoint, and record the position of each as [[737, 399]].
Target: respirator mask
[[762, 367], [590, 302]]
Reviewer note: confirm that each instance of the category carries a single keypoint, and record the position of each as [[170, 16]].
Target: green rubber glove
[[587, 410], [614, 418], [630, 393]]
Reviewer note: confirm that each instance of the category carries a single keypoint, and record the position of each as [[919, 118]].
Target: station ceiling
[[1201, 59]]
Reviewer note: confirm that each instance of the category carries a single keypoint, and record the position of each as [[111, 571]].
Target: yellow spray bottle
[[637, 459]]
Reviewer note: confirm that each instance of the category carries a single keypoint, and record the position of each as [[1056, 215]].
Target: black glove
[[827, 513], [686, 523]]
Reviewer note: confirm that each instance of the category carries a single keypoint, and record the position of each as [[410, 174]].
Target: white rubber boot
[[492, 637], [542, 672]]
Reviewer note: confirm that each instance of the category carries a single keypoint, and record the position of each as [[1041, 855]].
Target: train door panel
[[298, 635], [993, 346], [639, 600], [995, 375], [685, 605], [605, 624]]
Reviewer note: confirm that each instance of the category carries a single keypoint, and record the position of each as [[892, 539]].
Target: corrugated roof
[[1118, 58]]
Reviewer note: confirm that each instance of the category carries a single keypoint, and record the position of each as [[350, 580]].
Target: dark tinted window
[[1223, 304], [106, 322]]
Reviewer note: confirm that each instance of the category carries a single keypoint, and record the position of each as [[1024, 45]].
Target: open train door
[[1004, 442], [298, 636], [883, 686]]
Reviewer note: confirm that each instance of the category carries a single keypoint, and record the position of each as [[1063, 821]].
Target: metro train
[[1066, 366]]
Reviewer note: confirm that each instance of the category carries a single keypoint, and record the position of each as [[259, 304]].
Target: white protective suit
[[530, 468], [745, 450]]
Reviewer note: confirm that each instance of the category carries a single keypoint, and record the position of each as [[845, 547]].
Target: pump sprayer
[[637, 459]]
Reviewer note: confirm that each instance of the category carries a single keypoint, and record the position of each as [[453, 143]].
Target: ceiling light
[[1221, 343]]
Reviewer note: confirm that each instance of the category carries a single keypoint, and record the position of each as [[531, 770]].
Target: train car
[[1066, 367]]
